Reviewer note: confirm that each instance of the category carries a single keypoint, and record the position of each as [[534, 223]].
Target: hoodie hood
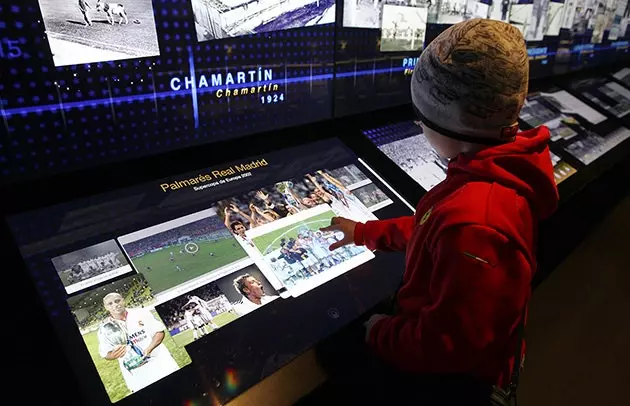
[[523, 165]]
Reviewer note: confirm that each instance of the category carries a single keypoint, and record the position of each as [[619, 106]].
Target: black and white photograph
[[201, 311], [90, 266], [535, 114], [623, 75], [455, 11], [604, 14], [619, 23], [362, 13], [418, 159], [568, 13], [216, 19], [403, 28], [612, 97], [591, 146], [500, 10], [89, 31], [372, 197], [583, 16], [530, 17], [350, 176], [553, 22]]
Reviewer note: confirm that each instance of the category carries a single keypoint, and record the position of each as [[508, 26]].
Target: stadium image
[[216, 19], [91, 265], [121, 377], [299, 251], [88, 31], [179, 251], [197, 313]]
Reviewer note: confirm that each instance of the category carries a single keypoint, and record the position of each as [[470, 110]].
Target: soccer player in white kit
[[253, 294], [143, 359], [204, 310]]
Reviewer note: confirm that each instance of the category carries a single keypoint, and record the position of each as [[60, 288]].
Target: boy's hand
[[345, 226]]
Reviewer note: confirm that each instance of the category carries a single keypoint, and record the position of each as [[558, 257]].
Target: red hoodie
[[470, 257]]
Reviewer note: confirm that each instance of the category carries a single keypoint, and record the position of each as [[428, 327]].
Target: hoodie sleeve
[[478, 286], [385, 235]]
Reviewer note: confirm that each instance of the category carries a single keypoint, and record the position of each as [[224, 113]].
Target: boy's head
[[469, 86]]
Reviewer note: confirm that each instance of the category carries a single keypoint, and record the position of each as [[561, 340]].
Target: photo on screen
[[350, 176], [362, 13], [604, 15], [372, 197], [216, 19], [612, 97], [553, 23], [592, 146], [201, 311], [620, 18], [535, 113], [530, 17], [296, 252], [90, 266], [566, 103], [623, 75], [268, 204], [179, 255], [500, 10], [403, 27], [125, 337], [581, 15], [418, 159], [561, 170], [88, 31]]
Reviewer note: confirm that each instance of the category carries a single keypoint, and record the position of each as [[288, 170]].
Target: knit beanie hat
[[471, 81]]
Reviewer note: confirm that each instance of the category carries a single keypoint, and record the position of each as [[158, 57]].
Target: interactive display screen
[[90, 81], [170, 278], [573, 125], [407, 147], [607, 95], [405, 144], [623, 75]]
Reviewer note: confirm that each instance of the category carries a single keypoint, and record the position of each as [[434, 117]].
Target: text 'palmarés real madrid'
[[220, 175]]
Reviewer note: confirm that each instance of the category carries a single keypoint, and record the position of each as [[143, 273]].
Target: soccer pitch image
[[187, 262], [271, 241], [186, 336], [110, 370]]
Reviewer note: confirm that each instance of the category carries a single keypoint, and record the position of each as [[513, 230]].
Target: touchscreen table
[[209, 280]]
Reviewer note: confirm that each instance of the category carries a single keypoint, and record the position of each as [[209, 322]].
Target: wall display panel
[[165, 281], [86, 82]]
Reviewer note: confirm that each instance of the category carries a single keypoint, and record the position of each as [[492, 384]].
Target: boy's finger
[[336, 245], [333, 227]]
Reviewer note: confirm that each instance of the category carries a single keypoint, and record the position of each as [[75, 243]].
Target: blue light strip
[[211, 89], [191, 60]]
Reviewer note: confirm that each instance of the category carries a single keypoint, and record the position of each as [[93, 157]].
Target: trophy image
[[115, 334]]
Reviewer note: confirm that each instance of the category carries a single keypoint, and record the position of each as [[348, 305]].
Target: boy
[[470, 248]]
